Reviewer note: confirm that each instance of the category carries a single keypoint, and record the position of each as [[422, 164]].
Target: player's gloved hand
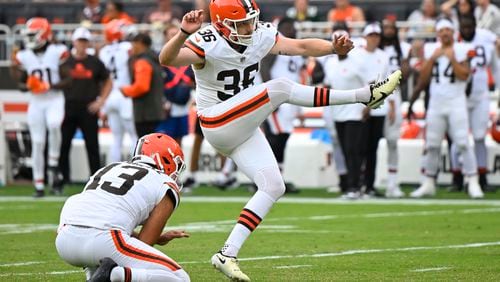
[[36, 85]]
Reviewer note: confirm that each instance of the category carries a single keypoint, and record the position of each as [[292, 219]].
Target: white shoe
[[229, 267], [428, 188], [382, 89], [394, 192], [333, 189], [474, 189]]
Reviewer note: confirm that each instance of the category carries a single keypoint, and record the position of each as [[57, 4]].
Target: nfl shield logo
[[242, 59]]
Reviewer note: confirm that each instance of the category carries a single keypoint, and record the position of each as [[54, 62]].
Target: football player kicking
[[226, 58], [36, 68], [96, 229]]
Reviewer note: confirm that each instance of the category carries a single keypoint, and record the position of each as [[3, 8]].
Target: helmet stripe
[[138, 147], [247, 5]]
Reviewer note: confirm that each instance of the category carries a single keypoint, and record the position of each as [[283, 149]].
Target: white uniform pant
[[84, 247], [479, 110], [119, 110], [45, 113]]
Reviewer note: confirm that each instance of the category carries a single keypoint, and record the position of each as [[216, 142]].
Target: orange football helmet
[[116, 30], [165, 152], [228, 16], [37, 33], [495, 130]]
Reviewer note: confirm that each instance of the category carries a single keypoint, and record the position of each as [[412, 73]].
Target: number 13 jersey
[[119, 196], [226, 71]]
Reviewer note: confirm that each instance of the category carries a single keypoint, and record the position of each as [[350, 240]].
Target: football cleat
[[382, 89], [39, 194], [103, 272], [474, 189], [394, 192], [229, 267], [428, 188]]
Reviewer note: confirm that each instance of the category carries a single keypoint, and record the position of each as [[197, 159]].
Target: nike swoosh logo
[[223, 261]]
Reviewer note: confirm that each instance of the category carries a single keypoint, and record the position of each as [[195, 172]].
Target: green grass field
[[311, 236]]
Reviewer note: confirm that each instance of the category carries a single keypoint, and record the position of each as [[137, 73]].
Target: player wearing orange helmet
[[226, 57], [37, 69], [118, 198]]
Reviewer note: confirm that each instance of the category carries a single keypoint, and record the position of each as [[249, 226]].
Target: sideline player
[[37, 69], [446, 69], [118, 108], [226, 57], [478, 101], [97, 226], [398, 52]]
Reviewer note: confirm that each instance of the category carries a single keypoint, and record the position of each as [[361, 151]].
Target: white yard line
[[358, 252], [328, 201], [21, 263], [431, 269], [41, 273]]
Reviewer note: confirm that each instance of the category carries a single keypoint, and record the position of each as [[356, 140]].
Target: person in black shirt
[[87, 86]]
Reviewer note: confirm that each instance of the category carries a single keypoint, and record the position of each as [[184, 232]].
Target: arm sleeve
[[143, 73]]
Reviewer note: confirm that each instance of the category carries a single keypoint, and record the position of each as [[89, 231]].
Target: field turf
[[310, 236]]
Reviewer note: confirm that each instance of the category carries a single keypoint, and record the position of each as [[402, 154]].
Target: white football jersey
[[395, 64], [287, 66], [394, 60], [45, 64], [375, 66], [444, 86], [344, 75], [281, 120], [119, 196], [115, 58], [226, 72], [483, 44]]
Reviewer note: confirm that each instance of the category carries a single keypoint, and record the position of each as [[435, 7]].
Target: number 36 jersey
[[444, 86], [119, 196], [226, 71]]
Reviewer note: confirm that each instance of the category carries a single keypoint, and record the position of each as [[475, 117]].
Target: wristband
[[185, 32]]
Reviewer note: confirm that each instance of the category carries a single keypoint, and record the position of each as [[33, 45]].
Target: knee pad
[[279, 90], [269, 180]]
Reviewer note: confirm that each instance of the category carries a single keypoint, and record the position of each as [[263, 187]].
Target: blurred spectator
[[301, 11], [118, 110], [178, 83], [487, 16], [203, 5], [423, 18], [345, 12], [455, 9], [92, 12], [398, 53], [376, 64], [146, 89], [114, 11], [164, 13], [89, 86]]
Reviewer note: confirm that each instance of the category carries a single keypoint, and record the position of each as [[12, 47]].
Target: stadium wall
[[308, 157]]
